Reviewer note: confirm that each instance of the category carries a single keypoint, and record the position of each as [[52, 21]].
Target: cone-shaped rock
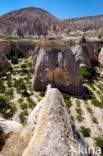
[[54, 132], [58, 67]]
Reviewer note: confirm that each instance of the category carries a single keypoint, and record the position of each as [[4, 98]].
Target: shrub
[[20, 100], [85, 131], [94, 120], [9, 92], [23, 115], [2, 87], [80, 117], [23, 106], [9, 83], [79, 111], [32, 104], [30, 65], [89, 110], [67, 100], [42, 94], [99, 143], [23, 66], [14, 59], [78, 102], [5, 105], [88, 72]]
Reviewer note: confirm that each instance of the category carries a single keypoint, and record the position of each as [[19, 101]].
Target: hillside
[[28, 22], [91, 23]]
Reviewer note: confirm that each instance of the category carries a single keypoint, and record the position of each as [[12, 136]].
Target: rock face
[[100, 58], [24, 47], [14, 138], [4, 62], [56, 66], [54, 132], [81, 55]]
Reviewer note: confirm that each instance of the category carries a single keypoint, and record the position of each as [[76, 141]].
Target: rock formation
[[24, 47], [56, 65], [54, 132], [100, 58], [81, 55], [4, 62], [14, 138]]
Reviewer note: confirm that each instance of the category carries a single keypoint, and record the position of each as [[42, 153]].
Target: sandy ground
[[96, 129]]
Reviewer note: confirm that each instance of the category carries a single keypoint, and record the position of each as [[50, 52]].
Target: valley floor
[[19, 99]]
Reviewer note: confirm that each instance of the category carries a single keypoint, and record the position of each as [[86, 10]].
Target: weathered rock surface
[[4, 62], [14, 138], [100, 58], [54, 132], [56, 65], [24, 47], [81, 55]]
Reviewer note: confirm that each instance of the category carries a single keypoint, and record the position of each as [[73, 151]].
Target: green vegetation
[[23, 106], [94, 119], [7, 108], [79, 111], [31, 103], [23, 66], [80, 117], [88, 72], [17, 38], [20, 100], [89, 110], [67, 100], [42, 94], [23, 116], [99, 143], [85, 131], [2, 87], [78, 102]]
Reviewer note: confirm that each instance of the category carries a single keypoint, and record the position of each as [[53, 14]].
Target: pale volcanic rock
[[100, 58], [56, 66], [14, 137], [81, 55], [4, 62], [55, 133]]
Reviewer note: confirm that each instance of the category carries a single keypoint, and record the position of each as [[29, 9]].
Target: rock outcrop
[[54, 132], [14, 138], [24, 47], [56, 65], [81, 55], [100, 58], [4, 62]]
